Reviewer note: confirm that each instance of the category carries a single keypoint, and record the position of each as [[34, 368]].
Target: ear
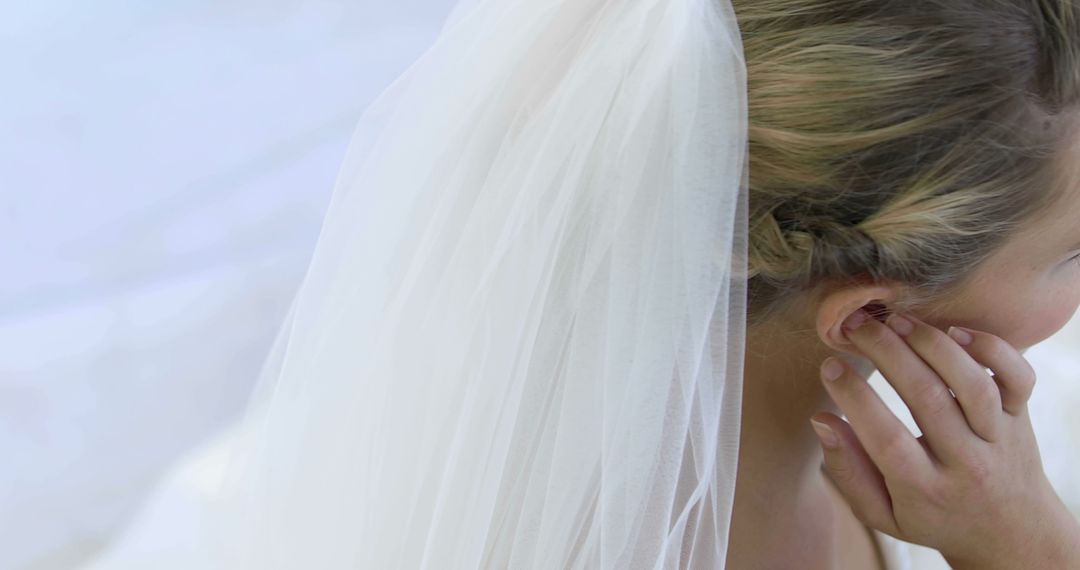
[[839, 302]]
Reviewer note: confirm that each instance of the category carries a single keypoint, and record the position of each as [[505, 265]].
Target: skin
[[1027, 291]]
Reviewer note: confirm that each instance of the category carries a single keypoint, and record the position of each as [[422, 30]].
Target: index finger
[[888, 442]]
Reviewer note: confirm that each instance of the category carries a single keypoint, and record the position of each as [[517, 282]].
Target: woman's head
[[905, 142]]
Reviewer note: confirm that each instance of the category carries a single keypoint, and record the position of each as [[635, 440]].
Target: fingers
[[927, 396], [855, 475], [979, 397], [1012, 372], [881, 434]]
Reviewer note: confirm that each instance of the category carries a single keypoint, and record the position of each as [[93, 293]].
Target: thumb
[[854, 473]]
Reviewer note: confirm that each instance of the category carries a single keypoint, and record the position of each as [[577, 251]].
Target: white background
[[164, 168]]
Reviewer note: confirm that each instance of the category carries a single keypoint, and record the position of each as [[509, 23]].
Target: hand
[[973, 485]]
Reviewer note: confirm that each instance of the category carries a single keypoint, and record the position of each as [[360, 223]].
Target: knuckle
[[976, 466], [936, 496], [1027, 378], [895, 448], [905, 478], [986, 395], [843, 473], [996, 349], [934, 397], [1021, 376]]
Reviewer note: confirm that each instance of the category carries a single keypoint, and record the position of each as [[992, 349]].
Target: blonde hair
[[899, 141]]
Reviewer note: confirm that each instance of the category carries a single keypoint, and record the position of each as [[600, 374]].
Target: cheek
[[1023, 313], [1039, 318], [1022, 305]]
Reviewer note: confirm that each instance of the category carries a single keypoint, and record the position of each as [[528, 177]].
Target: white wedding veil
[[520, 340]]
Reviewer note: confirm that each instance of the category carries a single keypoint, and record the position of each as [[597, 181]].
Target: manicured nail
[[902, 326], [825, 434], [831, 369], [960, 335], [855, 320]]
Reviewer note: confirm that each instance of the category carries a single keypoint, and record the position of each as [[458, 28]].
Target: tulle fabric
[[520, 340]]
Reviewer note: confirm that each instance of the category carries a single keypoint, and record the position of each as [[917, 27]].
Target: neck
[[781, 390], [779, 468]]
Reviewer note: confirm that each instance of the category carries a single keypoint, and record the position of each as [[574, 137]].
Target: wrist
[[1062, 544], [1052, 540]]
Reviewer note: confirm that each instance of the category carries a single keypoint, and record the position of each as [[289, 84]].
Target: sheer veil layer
[[519, 343]]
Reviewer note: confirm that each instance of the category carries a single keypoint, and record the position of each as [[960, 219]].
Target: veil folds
[[519, 343]]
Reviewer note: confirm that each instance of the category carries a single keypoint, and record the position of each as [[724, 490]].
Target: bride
[[589, 265]]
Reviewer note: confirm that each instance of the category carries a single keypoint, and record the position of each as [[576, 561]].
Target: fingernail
[[902, 326], [825, 434], [855, 320], [831, 369], [960, 335]]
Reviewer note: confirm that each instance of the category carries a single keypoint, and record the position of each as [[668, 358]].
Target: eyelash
[[1075, 258]]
